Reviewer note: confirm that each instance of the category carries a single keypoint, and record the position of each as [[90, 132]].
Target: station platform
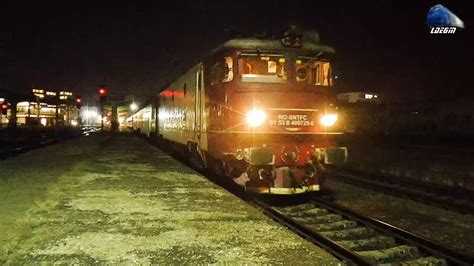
[[117, 199]]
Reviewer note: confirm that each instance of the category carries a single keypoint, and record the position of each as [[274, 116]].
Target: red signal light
[[78, 102], [4, 109], [103, 94]]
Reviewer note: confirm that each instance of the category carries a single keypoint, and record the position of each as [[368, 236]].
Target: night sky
[[136, 47]]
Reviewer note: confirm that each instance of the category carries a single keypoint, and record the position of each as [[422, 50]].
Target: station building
[[44, 108]]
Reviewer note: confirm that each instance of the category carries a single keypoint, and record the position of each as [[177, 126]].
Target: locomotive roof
[[268, 44]]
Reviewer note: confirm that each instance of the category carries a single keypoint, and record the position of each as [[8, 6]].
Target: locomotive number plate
[[293, 121]]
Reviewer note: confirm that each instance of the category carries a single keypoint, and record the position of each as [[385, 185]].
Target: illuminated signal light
[[103, 93], [4, 109], [78, 102]]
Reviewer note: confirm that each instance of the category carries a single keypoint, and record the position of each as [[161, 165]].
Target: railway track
[[28, 144], [448, 198], [360, 240], [351, 237]]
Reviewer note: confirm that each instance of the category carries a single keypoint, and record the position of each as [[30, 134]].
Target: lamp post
[[133, 108], [103, 99], [2, 100], [39, 93]]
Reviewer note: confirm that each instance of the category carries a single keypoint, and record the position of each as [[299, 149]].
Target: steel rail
[[452, 257], [332, 247], [345, 255], [15, 151]]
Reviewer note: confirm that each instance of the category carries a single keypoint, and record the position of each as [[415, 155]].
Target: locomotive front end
[[279, 124], [288, 153], [284, 150]]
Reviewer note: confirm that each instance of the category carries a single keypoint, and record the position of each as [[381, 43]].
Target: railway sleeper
[[340, 225], [377, 242], [350, 234], [315, 211], [306, 208], [323, 219], [392, 255], [431, 261]]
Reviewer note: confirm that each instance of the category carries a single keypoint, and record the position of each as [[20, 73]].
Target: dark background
[[137, 47]]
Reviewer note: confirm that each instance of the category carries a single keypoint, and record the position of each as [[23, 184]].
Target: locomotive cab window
[[228, 69], [262, 68], [313, 71], [222, 71]]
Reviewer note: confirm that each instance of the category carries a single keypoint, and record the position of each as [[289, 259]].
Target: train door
[[200, 134], [198, 107]]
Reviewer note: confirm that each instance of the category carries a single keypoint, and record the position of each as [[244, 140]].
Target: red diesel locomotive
[[259, 111]]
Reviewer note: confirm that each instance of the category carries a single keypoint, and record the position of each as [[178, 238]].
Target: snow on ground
[[120, 200]]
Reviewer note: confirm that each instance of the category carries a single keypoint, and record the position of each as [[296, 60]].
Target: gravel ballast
[[448, 228]]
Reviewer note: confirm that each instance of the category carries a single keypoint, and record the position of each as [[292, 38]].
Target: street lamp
[[103, 99], [133, 108]]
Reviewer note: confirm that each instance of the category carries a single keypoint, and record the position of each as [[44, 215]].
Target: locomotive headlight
[[328, 120], [255, 117]]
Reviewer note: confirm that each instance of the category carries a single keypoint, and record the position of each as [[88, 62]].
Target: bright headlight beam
[[255, 118], [328, 120]]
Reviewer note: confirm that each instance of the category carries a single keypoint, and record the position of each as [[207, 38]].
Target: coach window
[[184, 89], [262, 68], [222, 71]]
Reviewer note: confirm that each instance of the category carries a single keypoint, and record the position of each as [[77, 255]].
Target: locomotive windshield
[[313, 71], [263, 68], [271, 69]]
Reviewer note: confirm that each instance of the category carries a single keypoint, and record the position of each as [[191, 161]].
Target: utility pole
[[2, 106], [114, 125], [67, 114], [87, 114], [56, 117], [101, 116], [29, 114], [38, 106], [103, 99], [13, 109]]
